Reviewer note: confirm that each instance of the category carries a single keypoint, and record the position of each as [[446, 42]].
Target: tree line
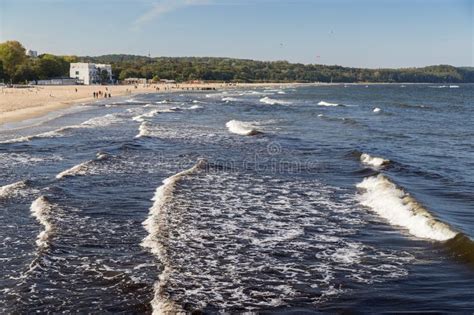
[[16, 67]]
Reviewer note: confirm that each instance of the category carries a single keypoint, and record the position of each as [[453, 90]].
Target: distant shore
[[19, 104]]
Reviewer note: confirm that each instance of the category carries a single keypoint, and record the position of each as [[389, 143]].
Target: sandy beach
[[18, 104]]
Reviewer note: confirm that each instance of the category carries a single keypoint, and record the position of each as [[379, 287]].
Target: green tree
[[24, 72], [50, 66], [12, 54], [70, 59], [128, 73], [2, 73], [104, 76]]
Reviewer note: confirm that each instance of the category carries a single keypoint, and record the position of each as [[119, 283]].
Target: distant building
[[32, 53], [55, 81], [167, 81], [89, 73], [135, 81]]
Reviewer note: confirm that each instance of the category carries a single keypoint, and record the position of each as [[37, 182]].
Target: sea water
[[309, 199]]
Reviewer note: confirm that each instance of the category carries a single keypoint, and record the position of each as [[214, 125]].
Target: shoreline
[[22, 104], [19, 105]]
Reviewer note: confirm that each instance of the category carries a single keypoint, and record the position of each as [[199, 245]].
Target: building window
[[77, 72]]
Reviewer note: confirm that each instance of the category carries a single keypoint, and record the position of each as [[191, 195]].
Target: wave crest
[[242, 128], [155, 225], [373, 160], [82, 168], [401, 209], [41, 209], [271, 101], [151, 114], [11, 190], [323, 103]]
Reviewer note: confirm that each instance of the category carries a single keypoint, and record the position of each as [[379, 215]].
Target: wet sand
[[18, 104]]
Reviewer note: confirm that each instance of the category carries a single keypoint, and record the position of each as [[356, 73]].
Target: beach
[[19, 104]]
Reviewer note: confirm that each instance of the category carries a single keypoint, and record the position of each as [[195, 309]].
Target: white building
[[89, 73], [32, 53]]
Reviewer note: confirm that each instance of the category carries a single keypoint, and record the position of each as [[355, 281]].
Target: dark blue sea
[[291, 200]]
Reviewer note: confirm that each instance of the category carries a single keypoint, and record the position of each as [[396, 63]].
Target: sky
[[357, 33]]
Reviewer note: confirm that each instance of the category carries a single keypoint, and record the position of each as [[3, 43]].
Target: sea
[[287, 200]]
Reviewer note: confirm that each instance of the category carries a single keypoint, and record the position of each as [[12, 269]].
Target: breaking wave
[[12, 190], [229, 99], [242, 128], [41, 209], [155, 225], [151, 114], [373, 160], [48, 134], [144, 130], [101, 121], [323, 103], [401, 209], [243, 249], [195, 107], [271, 101], [82, 168]]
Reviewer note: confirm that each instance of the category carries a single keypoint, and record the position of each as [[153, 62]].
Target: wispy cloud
[[164, 6]]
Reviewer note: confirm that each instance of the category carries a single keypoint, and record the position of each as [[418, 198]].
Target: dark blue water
[[307, 201]]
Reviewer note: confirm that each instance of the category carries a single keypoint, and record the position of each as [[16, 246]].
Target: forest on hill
[[17, 67]]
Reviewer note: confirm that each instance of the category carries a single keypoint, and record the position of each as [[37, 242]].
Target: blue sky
[[361, 33]]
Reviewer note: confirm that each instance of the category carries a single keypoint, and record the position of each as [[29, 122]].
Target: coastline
[[21, 104]]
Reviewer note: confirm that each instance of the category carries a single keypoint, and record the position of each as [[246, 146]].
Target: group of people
[[100, 94]]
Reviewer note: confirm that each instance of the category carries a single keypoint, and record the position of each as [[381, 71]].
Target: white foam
[[41, 209], [400, 209], [144, 130], [48, 134], [271, 101], [156, 224], [377, 110], [101, 121], [11, 189], [323, 103], [141, 118], [94, 122], [79, 169], [195, 107], [133, 101], [373, 160], [82, 168], [257, 230], [241, 128], [229, 99], [454, 86]]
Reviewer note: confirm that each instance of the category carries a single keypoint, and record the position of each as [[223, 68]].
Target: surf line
[[155, 241]]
